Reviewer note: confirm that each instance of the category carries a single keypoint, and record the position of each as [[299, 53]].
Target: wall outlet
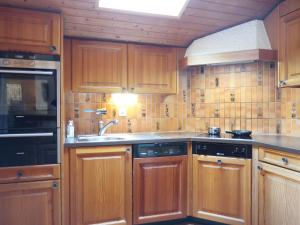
[[122, 112]]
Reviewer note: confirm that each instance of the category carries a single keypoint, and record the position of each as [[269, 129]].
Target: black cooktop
[[225, 136]]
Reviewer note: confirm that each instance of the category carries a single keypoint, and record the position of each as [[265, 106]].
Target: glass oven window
[[27, 99]]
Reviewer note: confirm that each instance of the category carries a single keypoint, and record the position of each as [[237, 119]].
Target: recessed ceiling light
[[158, 7]]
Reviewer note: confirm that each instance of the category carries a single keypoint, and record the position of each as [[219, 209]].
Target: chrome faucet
[[103, 127]]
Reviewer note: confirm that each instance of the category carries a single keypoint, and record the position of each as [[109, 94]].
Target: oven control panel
[[223, 149]]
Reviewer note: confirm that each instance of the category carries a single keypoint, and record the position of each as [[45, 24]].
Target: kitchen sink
[[96, 138]]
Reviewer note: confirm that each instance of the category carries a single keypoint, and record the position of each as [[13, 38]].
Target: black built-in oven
[[29, 109]]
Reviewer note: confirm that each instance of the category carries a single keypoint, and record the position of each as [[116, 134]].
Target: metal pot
[[214, 130]]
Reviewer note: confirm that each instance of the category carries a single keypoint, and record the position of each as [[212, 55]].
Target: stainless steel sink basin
[[96, 138]]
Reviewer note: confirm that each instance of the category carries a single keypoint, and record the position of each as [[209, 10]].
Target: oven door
[[28, 98], [22, 149]]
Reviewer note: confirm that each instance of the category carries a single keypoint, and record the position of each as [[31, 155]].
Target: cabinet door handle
[[285, 161], [259, 168], [132, 89], [20, 173], [219, 162], [282, 83], [52, 48], [55, 185]]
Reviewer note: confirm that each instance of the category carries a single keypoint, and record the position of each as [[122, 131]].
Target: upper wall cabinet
[[152, 69], [288, 6], [24, 30], [99, 66], [289, 49]]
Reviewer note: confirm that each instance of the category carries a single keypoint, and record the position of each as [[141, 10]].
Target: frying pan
[[240, 132]]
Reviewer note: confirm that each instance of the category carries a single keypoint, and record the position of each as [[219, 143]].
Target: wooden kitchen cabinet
[[289, 49], [152, 69], [279, 158], [160, 189], [30, 203], [99, 66], [222, 189], [288, 6], [278, 196], [101, 185], [29, 173], [30, 31]]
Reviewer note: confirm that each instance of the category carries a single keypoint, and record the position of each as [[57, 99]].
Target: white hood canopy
[[245, 42]]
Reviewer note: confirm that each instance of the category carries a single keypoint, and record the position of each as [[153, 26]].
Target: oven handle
[[26, 135], [33, 72]]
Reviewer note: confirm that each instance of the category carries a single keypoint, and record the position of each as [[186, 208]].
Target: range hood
[[243, 43]]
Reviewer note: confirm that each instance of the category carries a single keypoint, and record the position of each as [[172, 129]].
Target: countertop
[[279, 142]]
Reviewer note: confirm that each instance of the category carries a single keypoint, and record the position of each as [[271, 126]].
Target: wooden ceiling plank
[[146, 34], [127, 38], [246, 3], [129, 25], [87, 9], [185, 21], [204, 4], [215, 14]]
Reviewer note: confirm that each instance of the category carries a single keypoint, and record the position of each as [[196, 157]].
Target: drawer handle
[[55, 185], [20, 173], [219, 162], [285, 161], [20, 153]]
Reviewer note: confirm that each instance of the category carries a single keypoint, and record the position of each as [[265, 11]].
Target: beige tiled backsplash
[[241, 96]]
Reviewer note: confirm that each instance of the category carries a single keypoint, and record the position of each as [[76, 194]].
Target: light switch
[[123, 111]]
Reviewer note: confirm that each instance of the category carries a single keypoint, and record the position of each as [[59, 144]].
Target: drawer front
[[29, 173], [283, 159]]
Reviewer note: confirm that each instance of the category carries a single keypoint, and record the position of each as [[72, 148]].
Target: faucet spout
[[103, 128]]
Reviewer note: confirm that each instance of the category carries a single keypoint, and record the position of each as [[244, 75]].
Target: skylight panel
[[172, 8]]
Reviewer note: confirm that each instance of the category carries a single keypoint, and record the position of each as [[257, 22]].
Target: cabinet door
[[279, 196], [99, 66], [160, 189], [100, 185], [152, 69], [289, 50], [24, 30], [222, 189], [30, 203]]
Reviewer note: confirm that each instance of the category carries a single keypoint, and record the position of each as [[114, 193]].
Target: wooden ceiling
[[83, 18]]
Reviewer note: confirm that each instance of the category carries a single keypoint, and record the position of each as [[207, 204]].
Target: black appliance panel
[[223, 149], [159, 149], [31, 150]]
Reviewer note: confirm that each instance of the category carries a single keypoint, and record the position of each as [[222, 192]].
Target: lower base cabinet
[[278, 196], [30, 203], [101, 185], [159, 189], [222, 189]]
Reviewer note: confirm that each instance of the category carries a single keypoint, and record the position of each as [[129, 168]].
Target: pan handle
[[229, 132]]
